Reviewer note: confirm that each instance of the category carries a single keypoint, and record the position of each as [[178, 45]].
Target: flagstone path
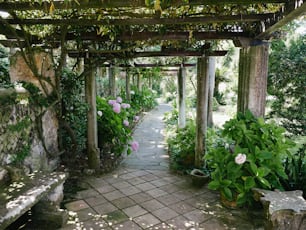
[[143, 194]]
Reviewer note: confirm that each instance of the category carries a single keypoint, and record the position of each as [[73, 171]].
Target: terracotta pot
[[198, 177]]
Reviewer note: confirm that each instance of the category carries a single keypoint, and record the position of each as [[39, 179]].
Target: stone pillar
[[139, 81], [128, 85], [112, 81], [211, 74], [202, 106], [252, 85], [92, 129], [181, 83]]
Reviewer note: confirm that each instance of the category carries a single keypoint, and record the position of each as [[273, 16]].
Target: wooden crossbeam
[[110, 53], [144, 21], [46, 5]]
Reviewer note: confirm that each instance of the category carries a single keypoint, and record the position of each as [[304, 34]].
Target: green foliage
[[286, 82], [182, 147], [144, 99], [113, 135], [264, 147], [4, 67], [74, 112], [295, 167]]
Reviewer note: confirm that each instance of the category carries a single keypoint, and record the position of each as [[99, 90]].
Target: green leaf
[[254, 168], [263, 171], [249, 183], [214, 185], [264, 182], [227, 193], [241, 199]]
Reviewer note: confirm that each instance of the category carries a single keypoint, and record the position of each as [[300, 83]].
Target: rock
[[4, 176], [284, 210]]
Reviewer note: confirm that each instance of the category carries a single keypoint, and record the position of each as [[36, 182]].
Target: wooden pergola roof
[[121, 26]]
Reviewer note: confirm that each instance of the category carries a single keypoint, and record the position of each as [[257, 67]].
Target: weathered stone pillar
[[211, 74], [112, 81], [128, 85], [202, 106], [92, 130], [252, 85], [181, 83], [139, 81]]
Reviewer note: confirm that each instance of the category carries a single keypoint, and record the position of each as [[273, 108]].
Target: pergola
[[109, 30]]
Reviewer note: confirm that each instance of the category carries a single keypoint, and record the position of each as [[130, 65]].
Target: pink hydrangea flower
[[111, 102], [136, 118], [119, 100], [116, 108], [125, 106], [126, 123], [240, 158], [135, 146]]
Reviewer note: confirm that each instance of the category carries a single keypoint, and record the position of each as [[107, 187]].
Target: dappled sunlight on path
[[143, 194]]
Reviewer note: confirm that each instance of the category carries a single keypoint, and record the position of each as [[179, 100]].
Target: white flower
[[132, 92], [240, 158], [100, 113]]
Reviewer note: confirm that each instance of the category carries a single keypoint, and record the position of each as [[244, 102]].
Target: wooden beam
[[144, 21], [297, 12], [107, 53], [46, 5]]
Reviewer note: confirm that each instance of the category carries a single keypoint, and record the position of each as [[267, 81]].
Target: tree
[[286, 82]]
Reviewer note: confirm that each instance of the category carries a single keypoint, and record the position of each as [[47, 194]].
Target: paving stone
[[96, 182], [146, 221], [130, 190], [165, 213], [213, 224], [160, 226], [156, 192], [141, 197], [106, 189], [159, 182], [149, 177], [113, 195], [134, 211], [121, 185], [94, 201], [115, 217], [181, 222], [168, 199], [170, 188], [135, 181], [95, 225], [86, 214], [127, 225], [152, 205], [123, 202], [105, 208], [182, 207], [197, 216], [145, 186], [87, 193], [76, 205]]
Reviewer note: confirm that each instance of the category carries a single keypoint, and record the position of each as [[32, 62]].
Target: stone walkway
[[143, 194]]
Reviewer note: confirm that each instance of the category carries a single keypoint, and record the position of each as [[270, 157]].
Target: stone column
[[92, 129], [128, 84], [112, 81], [252, 85], [202, 106], [181, 83], [211, 74], [139, 81]]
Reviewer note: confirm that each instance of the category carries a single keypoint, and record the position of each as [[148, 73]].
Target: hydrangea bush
[[114, 126]]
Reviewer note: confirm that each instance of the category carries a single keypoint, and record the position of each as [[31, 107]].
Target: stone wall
[[41, 155]]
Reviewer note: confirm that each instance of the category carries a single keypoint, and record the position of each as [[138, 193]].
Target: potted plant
[[249, 153], [199, 177]]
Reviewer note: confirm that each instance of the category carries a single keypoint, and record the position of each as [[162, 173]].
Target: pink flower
[[126, 122], [119, 100], [240, 158], [135, 146], [111, 102], [136, 118], [116, 107], [125, 106]]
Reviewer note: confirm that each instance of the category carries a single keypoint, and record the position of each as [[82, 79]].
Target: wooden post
[[139, 81], [211, 74], [92, 129], [252, 84], [181, 83], [202, 108], [128, 85], [112, 81]]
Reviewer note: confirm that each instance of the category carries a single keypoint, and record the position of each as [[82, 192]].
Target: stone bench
[[40, 192], [283, 210]]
